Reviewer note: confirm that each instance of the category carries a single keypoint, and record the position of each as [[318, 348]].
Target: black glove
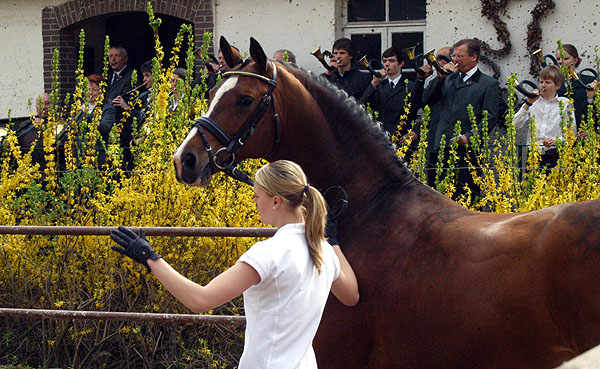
[[136, 247], [331, 231]]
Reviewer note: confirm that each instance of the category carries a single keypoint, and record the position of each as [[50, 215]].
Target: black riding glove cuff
[[331, 231], [136, 247]]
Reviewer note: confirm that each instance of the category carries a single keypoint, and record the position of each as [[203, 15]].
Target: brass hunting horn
[[575, 77], [414, 60], [207, 58], [542, 58], [430, 57], [520, 86], [371, 65], [321, 57]]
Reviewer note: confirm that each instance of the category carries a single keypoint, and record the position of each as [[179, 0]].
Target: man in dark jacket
[[465, 85], [119, 84], [388, 96], [345, 76]]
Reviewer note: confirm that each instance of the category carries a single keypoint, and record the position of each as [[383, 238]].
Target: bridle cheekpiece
[[232, 144]]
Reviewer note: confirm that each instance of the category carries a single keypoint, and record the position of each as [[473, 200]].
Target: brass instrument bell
[[321, 57], [413, 60], [199, 52], [430, 57], [542, 58], [410, 52], [369, 65], [521, 88]]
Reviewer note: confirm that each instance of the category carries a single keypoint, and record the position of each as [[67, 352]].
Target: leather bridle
[[232, 144]]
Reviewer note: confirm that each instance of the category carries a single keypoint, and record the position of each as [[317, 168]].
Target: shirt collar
[[119, 72], [291, 227], [555, 98], [470, 73], [395, 80]]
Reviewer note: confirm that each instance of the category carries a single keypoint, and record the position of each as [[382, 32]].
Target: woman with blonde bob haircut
[[285, 279]]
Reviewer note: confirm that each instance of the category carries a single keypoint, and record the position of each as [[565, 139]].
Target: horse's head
[[241, 120]]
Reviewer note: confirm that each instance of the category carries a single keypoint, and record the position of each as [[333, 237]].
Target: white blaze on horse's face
[[229, 84]]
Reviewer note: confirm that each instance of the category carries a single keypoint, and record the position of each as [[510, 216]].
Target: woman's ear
[[276, 201]]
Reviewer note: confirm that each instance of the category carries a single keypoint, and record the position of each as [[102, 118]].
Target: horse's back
[[448, 287], [572, 265]]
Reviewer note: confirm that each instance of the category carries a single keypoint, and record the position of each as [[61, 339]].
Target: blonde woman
[[285, 280]]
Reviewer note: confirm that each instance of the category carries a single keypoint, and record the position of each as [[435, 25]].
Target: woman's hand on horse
[[136, 247], [331, 231]]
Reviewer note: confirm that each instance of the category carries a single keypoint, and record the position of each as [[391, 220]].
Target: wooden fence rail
[[128, 316], [122, 316], [150, 231]]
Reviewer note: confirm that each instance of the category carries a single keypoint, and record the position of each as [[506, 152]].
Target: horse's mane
[[352, 116]]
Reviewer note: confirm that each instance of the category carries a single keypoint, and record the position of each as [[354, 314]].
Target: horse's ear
[[232, 56], [258, 55]]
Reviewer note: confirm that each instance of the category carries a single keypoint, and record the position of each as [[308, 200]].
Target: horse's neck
[[327, 140]]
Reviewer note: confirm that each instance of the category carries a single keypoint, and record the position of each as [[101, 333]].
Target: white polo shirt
[[284, 309]]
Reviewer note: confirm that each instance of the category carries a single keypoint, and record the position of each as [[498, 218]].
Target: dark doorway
[[132, 31]]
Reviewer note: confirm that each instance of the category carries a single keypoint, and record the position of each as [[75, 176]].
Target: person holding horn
[[442, 57], [285, 280], [346, 76], [581, 97], [546, 110], [387, 95], [464, 85]]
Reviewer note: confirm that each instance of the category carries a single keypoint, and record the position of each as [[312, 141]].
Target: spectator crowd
[[448, 85]]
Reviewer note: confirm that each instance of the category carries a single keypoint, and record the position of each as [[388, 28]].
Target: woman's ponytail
[[316, 213], [287, 180]]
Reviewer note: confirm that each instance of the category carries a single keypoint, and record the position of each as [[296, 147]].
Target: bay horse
[[441, 286]]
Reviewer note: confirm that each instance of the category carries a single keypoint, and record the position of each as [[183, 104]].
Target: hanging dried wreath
[[492, 9], [534, 31]]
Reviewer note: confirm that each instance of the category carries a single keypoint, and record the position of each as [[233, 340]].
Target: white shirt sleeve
[[259, 258], [521, 117]]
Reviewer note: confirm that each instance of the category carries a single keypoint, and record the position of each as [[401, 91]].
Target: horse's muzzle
[[188, 170]]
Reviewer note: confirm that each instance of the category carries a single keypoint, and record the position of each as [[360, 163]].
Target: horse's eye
[[245, 101]]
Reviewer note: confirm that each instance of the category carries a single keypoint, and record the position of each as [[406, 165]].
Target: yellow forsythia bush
[[81, 272], [506, 184]]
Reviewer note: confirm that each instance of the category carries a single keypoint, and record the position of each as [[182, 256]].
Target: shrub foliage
[[81, 273]]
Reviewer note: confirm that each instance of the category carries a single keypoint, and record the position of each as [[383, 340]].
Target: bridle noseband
[[232, 144]]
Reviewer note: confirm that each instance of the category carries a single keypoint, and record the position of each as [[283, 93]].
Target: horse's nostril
[[188, 161]]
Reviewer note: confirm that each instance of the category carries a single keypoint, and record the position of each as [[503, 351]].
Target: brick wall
[[58, 33]]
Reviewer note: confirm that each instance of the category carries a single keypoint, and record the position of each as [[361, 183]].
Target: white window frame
[[386, 31]]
